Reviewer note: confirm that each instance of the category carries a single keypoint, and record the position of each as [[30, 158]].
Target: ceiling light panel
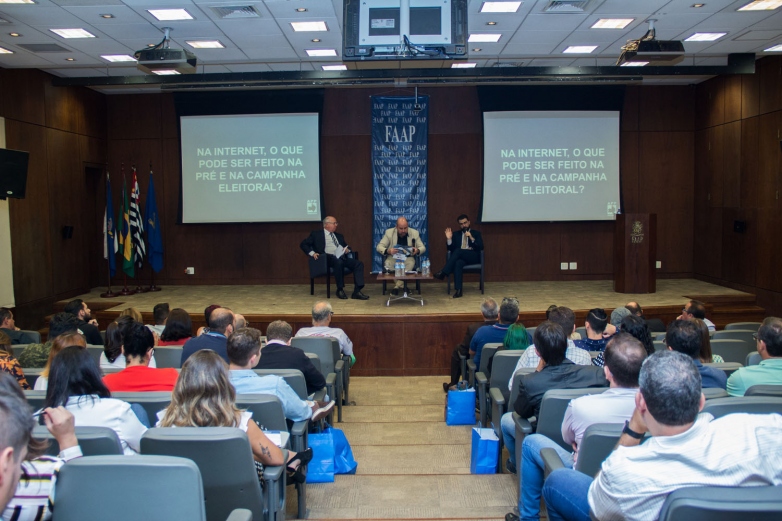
[[776, 48], [72, 33], [704, 37], [166, 72], [16, 2], [114, 58], [468, 65], [761, 5], [334, 67], [205, 44], [612, 23], [166, 15], [309, 26], [634, 64], [500, 7], [317, 53], [580, 49], [3, 50], [484, 38]]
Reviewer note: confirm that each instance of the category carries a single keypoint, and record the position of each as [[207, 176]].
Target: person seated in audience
[[244, 351], [178, 330], [655, 325], [495, 333], [596, 322], [637, 328], [624, 356], [706, 356], [204, 397], [685, 450], [60, 343], [490, 310], [321, 326], [696, 309], [685, 337], [221, 325], [133, 313], [159, 314], [8, 326], [9, 364], [75, 383], [617, 315], [138, 346], [88, 326], [239, 321], [279, 354], [112, 356], [37, 355], [517, 338], [207, 313], [554, 371], [30, 496], [769, 371]]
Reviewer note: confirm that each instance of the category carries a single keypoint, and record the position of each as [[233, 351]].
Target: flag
[[154, 233], [136, 224], [124, 234], [109, 231]]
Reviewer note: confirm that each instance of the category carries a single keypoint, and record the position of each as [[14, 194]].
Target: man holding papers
[[332, 244], [400, 243]]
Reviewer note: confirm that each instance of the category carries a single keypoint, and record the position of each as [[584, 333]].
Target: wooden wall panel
[[750, 95], [630, 110], [710, 103], [707, 253], [749, 184], [23, 94], [769, 250], [731, 164], [732, 98], [769, 72], [93, 105], [136, 116], [769, 134], [739, 250], [628, 168], [62, 109], [667, 109]]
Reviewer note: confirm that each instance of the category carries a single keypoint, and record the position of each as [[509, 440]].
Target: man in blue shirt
[[595, 324], [509, 313], [221, 325], [244, 351], [685, 337]]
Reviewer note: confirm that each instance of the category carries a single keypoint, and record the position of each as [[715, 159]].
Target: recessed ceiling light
[[15, 35], [70, 59], [697, 6], [776, 48], [107, 16], [301, 9], [5, 51], [761, 5], [309, 26], [705, 37], [500, 7], [315, 40], [151, 45], [16, 2], [72, 33], [321, 52], [334, 67], [463, 65], [118, 57], [170, 14], [484, 37], [166, 72], [477, 49], [634, 64], [580, 49], [205, 44], [612, 23], [491, 23]]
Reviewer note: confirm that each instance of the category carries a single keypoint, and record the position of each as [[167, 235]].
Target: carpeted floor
[[410, 464]]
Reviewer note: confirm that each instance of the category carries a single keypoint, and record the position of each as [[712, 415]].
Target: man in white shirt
[[686, 450], [624, 356], [321, 327]]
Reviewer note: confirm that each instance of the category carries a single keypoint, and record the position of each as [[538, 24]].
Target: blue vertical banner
[[400, 157]]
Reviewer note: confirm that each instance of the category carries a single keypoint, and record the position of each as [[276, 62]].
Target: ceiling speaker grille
[[43, 47], [566, 6], [229, 12]]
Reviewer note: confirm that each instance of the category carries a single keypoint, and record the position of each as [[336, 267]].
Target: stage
[[407, 339]]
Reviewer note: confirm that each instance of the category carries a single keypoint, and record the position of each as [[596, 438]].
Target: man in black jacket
[[332, 244], [278, 354], [88, 326], [465, 247]]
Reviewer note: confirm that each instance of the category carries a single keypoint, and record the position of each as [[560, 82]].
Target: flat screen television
[[13, 173]]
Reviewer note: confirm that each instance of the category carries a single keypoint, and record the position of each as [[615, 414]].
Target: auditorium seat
[[479, 268], [731, 350], [753, 358], [728, 367], [744, 335], [659, 345], [152, 401], [168, 357], [94, 441], [95, 351], [36, 399], [597, 444], [723, 504], [764, 390], [331, 362], [292, 377], [34, 335], [319, 268], [754, 326], [18, 348], [747, 404], [503, 364], [711, 393], [487, 353], [582, 331], [502, 399]]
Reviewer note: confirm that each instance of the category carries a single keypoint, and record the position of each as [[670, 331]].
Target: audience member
[[410, 245], [75, 383], [554, 371], [112, 356], [278, 354], [9, 364], [637, 328], [178, 330], [59, 343], [239, 321], [685, 450], [596, 322], [88, 326], [624, 356], [495, 333], [138, 346], [36, 355], [490, 310], [655, 325], [705, 355], [8, 326], [159, 314], [133, 313], [617, 315], [769, 371], [204, 397], [244, 351], [517, 338], [696, 309], [685, 337], [221, 324], [207, 312], [321, 326]]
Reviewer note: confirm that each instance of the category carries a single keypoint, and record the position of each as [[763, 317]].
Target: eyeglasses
[[755, 336], [513, 300]]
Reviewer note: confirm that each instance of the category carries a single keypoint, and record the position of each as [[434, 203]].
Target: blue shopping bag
[[344, 463], [460, 409], [321, 468], [484, 452]]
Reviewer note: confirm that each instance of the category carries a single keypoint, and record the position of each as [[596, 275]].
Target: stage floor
[[295, 299]]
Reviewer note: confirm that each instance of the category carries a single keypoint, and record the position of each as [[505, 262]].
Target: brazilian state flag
[[125, 240]]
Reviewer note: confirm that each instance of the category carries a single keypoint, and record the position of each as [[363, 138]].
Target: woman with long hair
[[112, 356], [75, 383], [179, 328], [636, 327], [204, 397], [516, 338], [9, 363], [133, 313], [706, 356], [58, 344]]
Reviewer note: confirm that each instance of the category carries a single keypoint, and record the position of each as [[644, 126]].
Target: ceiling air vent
[[43, 47], [566, 6], [233, 12]]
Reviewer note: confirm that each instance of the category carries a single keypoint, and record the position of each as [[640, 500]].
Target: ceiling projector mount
[[649, 51], [163, 60]]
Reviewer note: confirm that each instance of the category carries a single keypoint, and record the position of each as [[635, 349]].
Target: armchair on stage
[[319, 267], [470, 268]]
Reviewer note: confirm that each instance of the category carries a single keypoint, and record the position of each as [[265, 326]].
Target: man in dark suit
[[489, 310], [328, 242], [465, 247], [279, 354], [88, 326]]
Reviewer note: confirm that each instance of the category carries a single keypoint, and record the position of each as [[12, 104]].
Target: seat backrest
[[711, 393], [94, 441], [764, 390], [322, 347], [597, 444], [163, 488], [168, 357], [728, 367], [552, 411], [95, 352], [736, 334], [754, 326], [753, 358], [502, 369], [747, 404], [516, 378], [266, 408], [36, 399], [659, 345], [732, 350], [223, 456], [487, 353], [315, 359], [152, 402], [292, 377], [318, 267], [582, 331], [723, 504], [34, 335], [18, 348], [531, 333]]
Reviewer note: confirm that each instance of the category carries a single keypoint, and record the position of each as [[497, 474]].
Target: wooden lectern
[[635, 252]]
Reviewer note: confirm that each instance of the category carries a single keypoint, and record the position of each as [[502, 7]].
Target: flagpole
[[106, 238], [109, 293], [152, 286], [125, 289], [139, 289]]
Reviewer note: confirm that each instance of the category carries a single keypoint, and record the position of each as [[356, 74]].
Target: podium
[[635, 252]]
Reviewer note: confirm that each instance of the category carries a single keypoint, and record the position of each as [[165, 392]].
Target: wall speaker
[[67, 232]]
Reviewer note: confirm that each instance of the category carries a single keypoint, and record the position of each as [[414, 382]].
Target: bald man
[[222, 322], [400, 235]]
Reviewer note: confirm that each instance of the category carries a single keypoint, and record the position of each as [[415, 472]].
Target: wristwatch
[[630, 432]]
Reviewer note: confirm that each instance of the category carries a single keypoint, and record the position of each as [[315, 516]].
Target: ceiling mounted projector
[[163, 60], [648, 50]]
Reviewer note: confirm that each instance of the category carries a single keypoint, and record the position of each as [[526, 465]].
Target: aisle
[[410, 464]]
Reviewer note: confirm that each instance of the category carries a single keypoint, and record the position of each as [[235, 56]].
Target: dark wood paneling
[[667, 109], [348, 112], [708, 242], [769, 159], [93, 105], [63, 109], [750, 95], [136, 116], [749, 182], [732, 98], [168, 117], [731, 164], [629, 171], [769, 250], [739, 251], [92, 150], [23, 94], [454, 110], [769, 70], [710, 103], [630, 110], [577, 245]]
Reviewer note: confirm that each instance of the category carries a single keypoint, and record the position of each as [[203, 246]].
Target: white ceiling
[[530, 37]]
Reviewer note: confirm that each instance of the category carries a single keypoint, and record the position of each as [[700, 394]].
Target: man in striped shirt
[[686, 450]]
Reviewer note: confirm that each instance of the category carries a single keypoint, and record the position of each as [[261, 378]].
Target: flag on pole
[[124, 236], [136, 224], [154, 236], [109, 231]]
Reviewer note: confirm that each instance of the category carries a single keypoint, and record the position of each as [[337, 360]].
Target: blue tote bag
[[321, 468], [460, 409], [485, 451]]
